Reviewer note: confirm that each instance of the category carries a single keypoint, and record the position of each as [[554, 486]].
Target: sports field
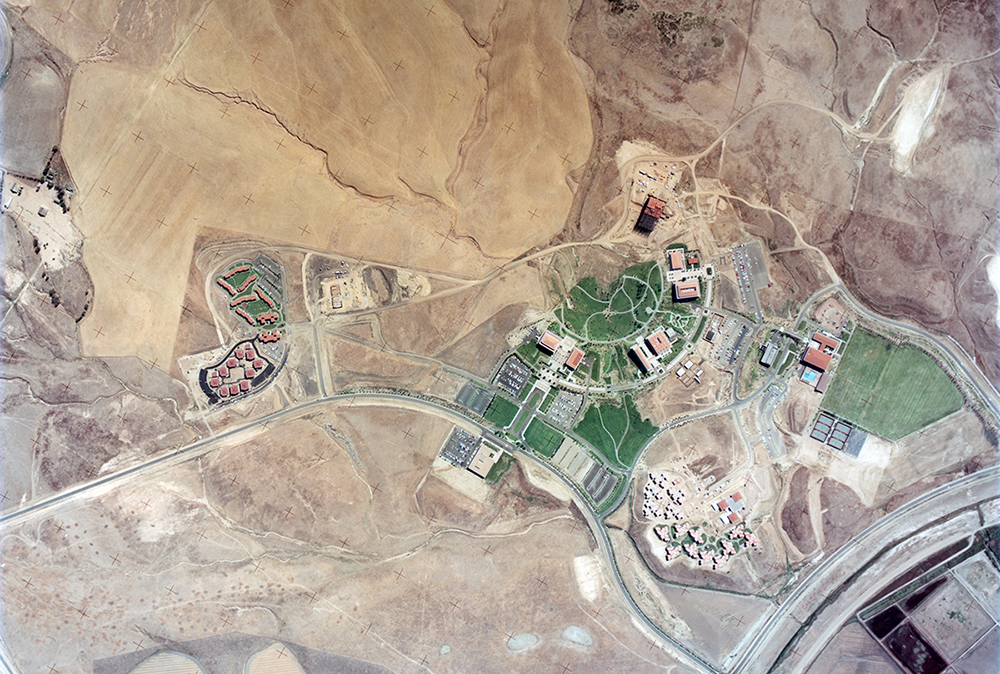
[[595, 314], [500, 412], [543, 438], [889, 390], [616, 431]]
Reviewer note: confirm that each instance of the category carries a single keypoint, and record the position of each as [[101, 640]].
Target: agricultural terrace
[[251, 298], [501, 412], [598, 315], [889, 390], [543, 438], [616, 430]]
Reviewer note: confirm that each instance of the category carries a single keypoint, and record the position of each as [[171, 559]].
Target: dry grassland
[[316, 537], [265, 120]]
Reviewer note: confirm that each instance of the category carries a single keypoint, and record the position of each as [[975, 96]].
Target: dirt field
[[670, 399], [440, 131], [712, 447], [795, 514], [260, 538]]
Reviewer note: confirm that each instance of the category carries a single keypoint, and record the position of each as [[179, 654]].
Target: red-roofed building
[[658, 342], [733, 518], [239, 353], [231, 362], [826, 342], [250, 353], [640, 359], [687, 290], [652, 211], [223, 371], [676, 260], [248, 373], [258, 364], [693, 259], [224, 392], [737, 496], [234, 389], [215, 383], [575, 356], [722, 505], [244, 385], [823, 382], [549, 341], [817, 359]]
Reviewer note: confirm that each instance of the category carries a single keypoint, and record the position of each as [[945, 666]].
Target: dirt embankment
[[795, 515]]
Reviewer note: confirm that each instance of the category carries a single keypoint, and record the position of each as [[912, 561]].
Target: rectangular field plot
[[543, 438], [617, 432], [890, 390], [501, 412]]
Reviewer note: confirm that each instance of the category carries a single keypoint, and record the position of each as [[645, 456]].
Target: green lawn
[[500, 412], [601, 314], [500, 468], [889, 390], [543, 438], [616, 431]]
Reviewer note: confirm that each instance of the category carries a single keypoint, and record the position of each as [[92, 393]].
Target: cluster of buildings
[[647, 351], [561, 349], [465, 450], [235, 375], [681, 264], [730, 509], [267, 337], [653, 495], [816, 359]]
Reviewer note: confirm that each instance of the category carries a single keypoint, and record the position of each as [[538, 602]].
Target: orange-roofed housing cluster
[[241, 372]]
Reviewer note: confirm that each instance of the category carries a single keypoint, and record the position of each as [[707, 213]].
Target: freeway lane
[[844, 561]]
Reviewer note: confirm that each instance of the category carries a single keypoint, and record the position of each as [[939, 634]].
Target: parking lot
[[513, 375], [728, 340], [751, 274], [564, 408]]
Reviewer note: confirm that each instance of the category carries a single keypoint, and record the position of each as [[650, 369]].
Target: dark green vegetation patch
[[616, 430], [501, 412], [543, 438], [889, 390], [596, 314]]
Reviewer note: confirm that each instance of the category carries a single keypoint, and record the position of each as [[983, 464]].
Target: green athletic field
[[543, 438], [889, 390], [500, 412]]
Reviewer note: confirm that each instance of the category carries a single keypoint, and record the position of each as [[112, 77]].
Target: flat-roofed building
[[823, 382], [549, 341], [658, 342], [687, 290], [640, 359], [817, 359], [825, 342], [484, 459], [676, 258], [770, 353], [575, 356]]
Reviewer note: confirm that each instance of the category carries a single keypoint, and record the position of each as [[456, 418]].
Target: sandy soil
[[711, 445], [262, 538], [670, 399]]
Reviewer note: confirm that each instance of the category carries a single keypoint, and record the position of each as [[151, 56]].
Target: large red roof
[[826, 341], [654, 207], [574, 359], [817, 359], [658, 342]]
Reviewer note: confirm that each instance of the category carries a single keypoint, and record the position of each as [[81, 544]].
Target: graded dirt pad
[[425, 327], [670, 398], [353, 363], [795, 514], [843, 514], [479, 351], [306, 547], [711, 444]]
